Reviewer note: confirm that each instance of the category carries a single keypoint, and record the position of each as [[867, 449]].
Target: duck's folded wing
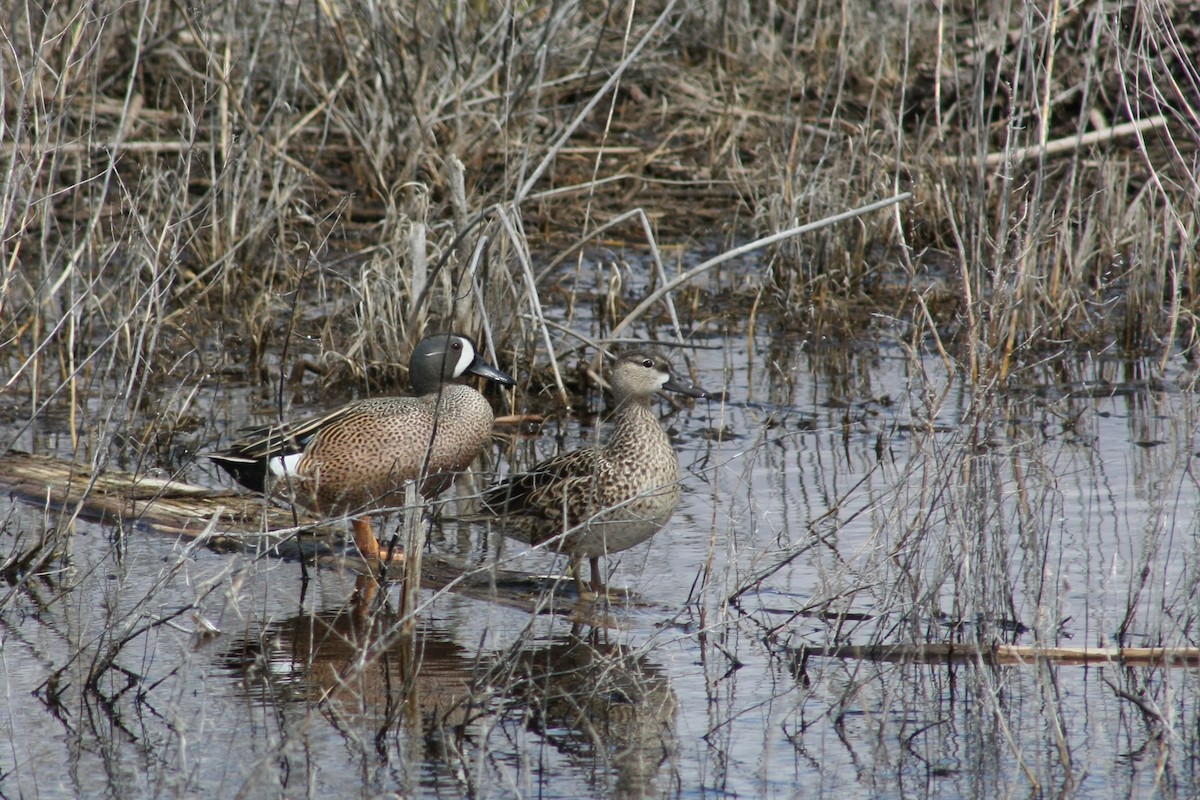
[[248, 458], [545, 489]]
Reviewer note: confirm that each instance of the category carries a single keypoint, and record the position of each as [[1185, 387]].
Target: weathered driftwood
[[233, 521], [1006, 654]]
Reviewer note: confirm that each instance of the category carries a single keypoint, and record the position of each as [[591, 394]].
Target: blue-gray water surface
[[839, 494]]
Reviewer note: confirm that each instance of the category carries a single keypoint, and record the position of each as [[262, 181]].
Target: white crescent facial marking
[[465, 359], [285, 465]]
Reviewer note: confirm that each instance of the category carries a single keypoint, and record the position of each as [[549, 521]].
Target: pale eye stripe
[[285, 465]]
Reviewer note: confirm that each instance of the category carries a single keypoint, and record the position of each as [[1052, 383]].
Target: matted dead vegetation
[[215, 162]]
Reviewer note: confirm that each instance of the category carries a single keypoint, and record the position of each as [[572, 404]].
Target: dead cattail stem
[[1063, 144]]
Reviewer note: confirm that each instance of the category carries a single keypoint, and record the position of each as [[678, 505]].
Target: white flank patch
[[465, 359], [285, 465]]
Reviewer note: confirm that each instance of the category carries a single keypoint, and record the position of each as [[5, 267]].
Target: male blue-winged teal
[[357, 458], [605, 499]]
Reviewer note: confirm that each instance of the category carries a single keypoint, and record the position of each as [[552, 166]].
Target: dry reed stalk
[[534, 302], [737, 252], [613, 79], [1065, 144], [1010, 655], [414, 548]]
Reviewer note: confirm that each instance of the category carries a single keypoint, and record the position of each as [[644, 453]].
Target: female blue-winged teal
[[605, 499], [357, 458]]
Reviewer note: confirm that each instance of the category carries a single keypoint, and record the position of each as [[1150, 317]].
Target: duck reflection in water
[[609, 713]]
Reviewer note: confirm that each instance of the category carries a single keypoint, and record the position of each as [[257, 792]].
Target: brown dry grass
[[312, 180]]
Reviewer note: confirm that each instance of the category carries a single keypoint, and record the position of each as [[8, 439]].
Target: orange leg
[[368, 545], [364, 538], [365, 589]]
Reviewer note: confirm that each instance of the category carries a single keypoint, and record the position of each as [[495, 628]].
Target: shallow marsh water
[[839, 495]]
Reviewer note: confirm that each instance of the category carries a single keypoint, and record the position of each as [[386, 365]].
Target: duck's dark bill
[[689, 390], [486, 370]]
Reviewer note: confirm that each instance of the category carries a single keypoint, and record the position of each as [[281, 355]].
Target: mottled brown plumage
[[357, 458], [607, 498]]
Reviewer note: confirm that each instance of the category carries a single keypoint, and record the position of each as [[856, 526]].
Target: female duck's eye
[[648, 363]]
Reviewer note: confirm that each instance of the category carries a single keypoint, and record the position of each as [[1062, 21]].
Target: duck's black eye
[[647, 363], [456, 346]]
